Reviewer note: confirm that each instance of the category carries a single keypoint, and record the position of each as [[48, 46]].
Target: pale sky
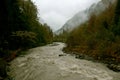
[[56, 12]]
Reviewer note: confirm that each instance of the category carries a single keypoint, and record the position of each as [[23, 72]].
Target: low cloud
[[56, 12]]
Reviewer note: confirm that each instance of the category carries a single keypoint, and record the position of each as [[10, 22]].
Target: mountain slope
[[83, 16]]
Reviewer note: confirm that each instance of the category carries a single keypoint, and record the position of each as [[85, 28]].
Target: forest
[[99, 37], [20, 30]]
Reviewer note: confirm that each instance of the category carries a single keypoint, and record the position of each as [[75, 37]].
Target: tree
[[99, 37], [117, 12], [21, 16]]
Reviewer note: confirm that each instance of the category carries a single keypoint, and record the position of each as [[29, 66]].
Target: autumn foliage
[[99, 37]]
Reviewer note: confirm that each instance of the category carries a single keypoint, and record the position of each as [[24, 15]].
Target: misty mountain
[[79, 18], [83, 16]]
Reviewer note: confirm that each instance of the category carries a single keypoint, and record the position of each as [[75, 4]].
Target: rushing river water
[[44, 63]]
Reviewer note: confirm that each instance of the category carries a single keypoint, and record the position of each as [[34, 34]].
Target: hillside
[[99, 37], [83, 16]]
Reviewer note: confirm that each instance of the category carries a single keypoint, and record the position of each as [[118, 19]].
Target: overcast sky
[[56, 12]]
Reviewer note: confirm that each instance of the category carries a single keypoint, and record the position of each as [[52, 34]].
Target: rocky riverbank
[[111, 65]]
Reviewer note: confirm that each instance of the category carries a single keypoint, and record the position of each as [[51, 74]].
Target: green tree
[[117, 12]]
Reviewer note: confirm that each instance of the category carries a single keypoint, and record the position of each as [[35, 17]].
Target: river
[[44, 63]]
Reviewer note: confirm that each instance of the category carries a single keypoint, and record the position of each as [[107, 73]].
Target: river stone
[[62, 55], [114, 67]]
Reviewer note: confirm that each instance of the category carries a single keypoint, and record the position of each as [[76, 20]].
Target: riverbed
[[45, 63]]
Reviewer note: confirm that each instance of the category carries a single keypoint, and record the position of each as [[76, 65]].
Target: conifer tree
[[117, 12]]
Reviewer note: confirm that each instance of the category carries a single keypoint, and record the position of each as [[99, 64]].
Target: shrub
[[22, 39]]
